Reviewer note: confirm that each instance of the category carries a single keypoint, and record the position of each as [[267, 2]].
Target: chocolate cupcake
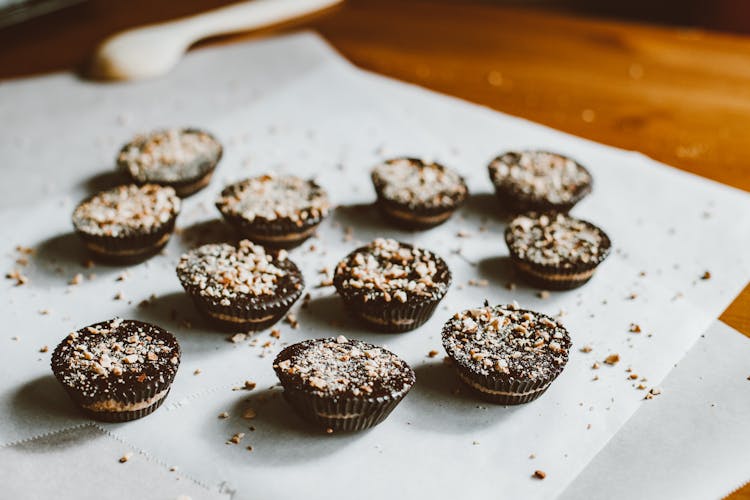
[[240, 288], [184, 159], [340, 384], [556, 251], [538, 181], [128, 223], [416, 194], [392, 286], [117, 370], [274, 211], [504, 354]]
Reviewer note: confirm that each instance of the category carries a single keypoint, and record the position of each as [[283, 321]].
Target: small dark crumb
[[249, 385], [543, 294], [329, 431], [432, 353], [44, 348], [706, 276], [540, 474], [125, 457], [634, 328]]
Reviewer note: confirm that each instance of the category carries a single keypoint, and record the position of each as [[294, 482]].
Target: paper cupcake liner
[[342, 414], [393, 317], [244, 316], [411, 218], [128, 249], [282, 233], [123, 416], [503, 391]]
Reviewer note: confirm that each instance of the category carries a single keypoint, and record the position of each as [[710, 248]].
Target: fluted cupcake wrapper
[[128, 249], [414, 218], [342, 414], [548, 278], [395, 317], [281, 233], [132, 396], [503, 391], [243, 316]]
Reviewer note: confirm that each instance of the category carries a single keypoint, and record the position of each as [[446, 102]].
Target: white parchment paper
[[290, 105]]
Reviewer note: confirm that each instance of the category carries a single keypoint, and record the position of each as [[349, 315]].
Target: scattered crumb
[[595, 366], [587, 348], [306, 301], [652, 393], [249, 385], [634, 328], [532, 456], [612, 359], [249, 414], [291, 318], [641, 387], [633, 376], [18, 277], [543, 294], [125, 457], [479, 282], [197, 371], [76, 280], [275, 333], [44, 312], [633, 296], [706, 276], [119, 296], [329, 431], [236, 438], [432, 353], [122, 276], [223, 415], [540, 474], [249, 448], [463, 234], [44, 348], [237, 338]]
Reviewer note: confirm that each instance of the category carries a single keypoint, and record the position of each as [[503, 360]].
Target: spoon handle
[[242, 16]]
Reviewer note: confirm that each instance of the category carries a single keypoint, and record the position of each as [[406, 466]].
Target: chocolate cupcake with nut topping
[[274, 211], [117, 370], [240, 288], [127, 224], [504, 354], [342, 385], [539, 181], [416, 194], [556, 251], [184, 159], [392, 286]]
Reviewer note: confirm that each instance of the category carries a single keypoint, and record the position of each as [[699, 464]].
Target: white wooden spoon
[[155, 49]]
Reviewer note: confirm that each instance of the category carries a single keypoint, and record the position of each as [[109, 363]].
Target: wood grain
[[679, 96]]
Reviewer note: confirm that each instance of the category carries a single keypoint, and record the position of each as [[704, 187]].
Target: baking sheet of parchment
[[312, 115]]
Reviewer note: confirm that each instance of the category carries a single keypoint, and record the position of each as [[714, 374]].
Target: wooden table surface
[[680, 96]]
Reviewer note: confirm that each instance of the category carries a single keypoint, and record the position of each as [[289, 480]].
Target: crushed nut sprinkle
[[100, 358], [170, 155], [271, 197], [337, 366], [540, 175], [417, 183], [559, 240], [392, 271], [612, 359], [507, 340], [223, 272], [126, 210]]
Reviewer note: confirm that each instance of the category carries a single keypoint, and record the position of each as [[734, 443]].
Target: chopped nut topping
[[540, 474], [271, 197], [612, 359], [417, 183]]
